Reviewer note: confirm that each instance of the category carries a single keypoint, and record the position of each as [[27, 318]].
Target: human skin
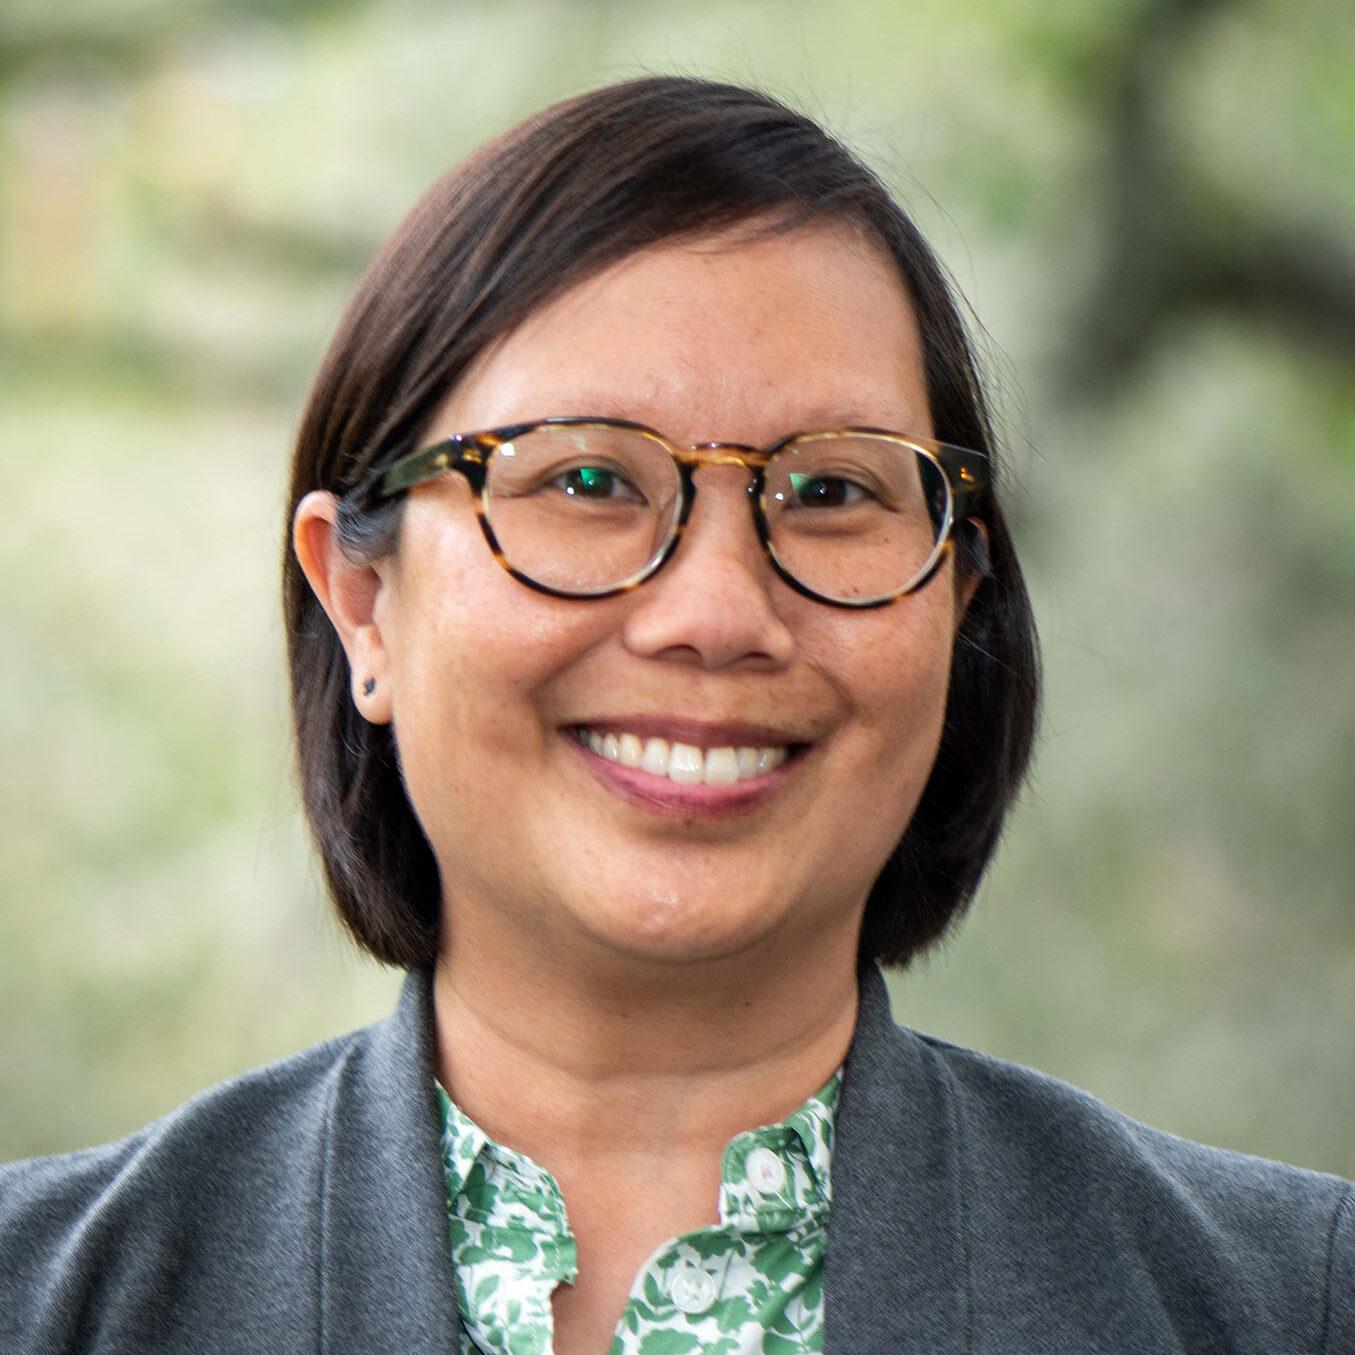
[[633, 970]]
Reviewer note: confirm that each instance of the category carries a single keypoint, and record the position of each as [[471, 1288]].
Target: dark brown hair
[[547, 204]]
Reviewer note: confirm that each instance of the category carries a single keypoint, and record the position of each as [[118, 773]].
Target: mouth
[[685, 764]]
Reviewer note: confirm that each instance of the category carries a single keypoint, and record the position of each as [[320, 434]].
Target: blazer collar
[[386, 1269], [897, 1268]]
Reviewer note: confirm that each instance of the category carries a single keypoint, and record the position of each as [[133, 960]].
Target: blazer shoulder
[[230, 1117], [1054, 1172], [1017, 1111], [227, 1173]]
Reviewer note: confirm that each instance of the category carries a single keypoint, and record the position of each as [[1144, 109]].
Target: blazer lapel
[[386, 1270], [896, 1270]]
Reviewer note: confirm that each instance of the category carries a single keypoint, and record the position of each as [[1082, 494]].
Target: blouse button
[[692, 1290], [766, 1172]]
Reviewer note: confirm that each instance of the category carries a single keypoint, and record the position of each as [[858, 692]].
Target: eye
[[826, 491], [598, 483]]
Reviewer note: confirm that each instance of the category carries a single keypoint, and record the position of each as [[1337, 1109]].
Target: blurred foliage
[[1150, 205]]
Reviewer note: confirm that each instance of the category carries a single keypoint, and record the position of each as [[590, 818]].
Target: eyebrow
[[815, 418], [839, 416]]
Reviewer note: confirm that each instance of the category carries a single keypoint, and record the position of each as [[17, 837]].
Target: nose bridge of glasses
[[751, 459]]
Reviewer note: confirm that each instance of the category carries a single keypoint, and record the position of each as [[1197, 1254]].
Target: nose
[[714, 603]]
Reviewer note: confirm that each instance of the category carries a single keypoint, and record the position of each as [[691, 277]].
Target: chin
[[659, 923], [673, 927]]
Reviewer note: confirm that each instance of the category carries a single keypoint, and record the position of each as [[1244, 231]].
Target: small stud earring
[[369, 686]]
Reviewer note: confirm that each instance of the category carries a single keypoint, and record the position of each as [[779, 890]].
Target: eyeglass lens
[[588, 508]]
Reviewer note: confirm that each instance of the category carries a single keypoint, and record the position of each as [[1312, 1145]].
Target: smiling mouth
[[684, 763]]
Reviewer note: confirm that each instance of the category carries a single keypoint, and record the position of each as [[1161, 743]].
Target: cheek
[[453, 624], [470, 739], [474, 652], [899, 688], [464, 686]]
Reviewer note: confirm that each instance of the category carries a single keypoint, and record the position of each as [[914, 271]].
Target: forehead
[[719, 338]]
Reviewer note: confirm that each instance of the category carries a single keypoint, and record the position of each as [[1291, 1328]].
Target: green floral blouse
[[752, 1284]]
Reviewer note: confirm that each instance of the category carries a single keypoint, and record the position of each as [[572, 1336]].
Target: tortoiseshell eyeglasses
[[590, 507]]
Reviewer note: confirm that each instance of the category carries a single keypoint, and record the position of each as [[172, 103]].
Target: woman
[[660, 664]]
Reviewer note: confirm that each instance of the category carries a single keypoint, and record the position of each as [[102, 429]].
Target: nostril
[[714, 605]]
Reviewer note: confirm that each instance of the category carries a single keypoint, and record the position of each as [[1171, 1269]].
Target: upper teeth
[[684, 762]]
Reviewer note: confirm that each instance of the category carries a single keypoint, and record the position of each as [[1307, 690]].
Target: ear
[[350, 594]]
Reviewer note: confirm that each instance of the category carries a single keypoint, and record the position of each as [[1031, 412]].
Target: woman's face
[[552, 850]]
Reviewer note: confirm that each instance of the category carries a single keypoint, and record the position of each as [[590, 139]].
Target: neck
[[627, 1061]]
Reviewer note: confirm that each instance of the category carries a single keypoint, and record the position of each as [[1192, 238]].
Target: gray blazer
[[977, 1207]]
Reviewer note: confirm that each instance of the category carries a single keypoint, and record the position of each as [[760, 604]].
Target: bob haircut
[[547, 204]]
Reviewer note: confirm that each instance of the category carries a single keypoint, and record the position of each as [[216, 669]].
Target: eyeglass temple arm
[[466, 454], [968, 475]]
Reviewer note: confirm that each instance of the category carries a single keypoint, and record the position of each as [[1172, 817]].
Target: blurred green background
[[1151, 206]]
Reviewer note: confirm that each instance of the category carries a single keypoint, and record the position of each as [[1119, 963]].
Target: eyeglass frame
[[965, 472]]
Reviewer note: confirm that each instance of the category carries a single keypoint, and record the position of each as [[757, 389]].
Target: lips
[[685, 764]]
